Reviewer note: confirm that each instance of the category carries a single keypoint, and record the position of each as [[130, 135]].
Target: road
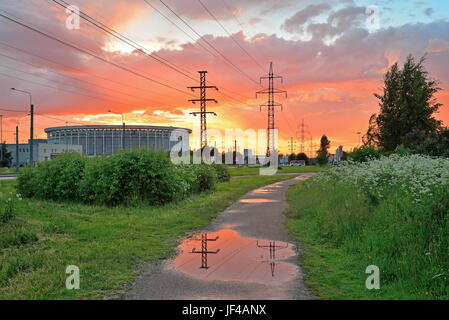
[[241, 265], [8, 177]]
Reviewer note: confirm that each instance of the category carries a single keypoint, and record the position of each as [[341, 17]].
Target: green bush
[[127, 177], [57, 179], [222, 171], [205, 177], [364, 154], [124, 178], [26, 182]]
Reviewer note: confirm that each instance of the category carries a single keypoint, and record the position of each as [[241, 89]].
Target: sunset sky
[[332, 55]]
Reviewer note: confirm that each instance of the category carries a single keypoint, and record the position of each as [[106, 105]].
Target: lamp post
[[17, 146], [123, 129], [31, 123], [359, 133], [1, 138]]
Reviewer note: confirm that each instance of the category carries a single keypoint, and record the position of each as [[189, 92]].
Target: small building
[[42, 151]]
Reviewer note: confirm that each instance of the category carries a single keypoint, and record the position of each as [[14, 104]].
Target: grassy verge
[[249, 171], [6, 171], [341, 234], [105, 243]]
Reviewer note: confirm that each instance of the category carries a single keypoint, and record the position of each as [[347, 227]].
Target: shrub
[[127, 177], [364, 154], [222, 171], [26, 182], [57, 179], [205, 177], [123, 178]]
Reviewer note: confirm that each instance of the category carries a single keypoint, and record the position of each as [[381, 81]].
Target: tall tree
[[322, 152], [407, 104]]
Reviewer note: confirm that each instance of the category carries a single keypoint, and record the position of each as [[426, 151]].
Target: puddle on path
[[231, 257], [259, 200]]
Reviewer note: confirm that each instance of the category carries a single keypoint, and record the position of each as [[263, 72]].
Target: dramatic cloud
[[298, 20], [330, 84]]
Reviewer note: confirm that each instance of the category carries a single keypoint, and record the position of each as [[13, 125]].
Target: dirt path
[[255, 259]]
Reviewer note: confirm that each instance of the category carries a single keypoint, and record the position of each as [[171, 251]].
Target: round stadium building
[[108, 139]]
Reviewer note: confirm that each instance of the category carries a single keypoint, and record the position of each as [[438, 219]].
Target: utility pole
[[203, 106], [235, 151], [292, 145], [359, 133], [204, 252], [301, 133], [123, 127], [31, 141], [17, 146], [1, 138], [311, 144], [272, 247], [271, 91], [66, 136]]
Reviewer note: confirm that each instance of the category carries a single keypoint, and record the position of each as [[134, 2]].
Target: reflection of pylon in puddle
[[272, 247], [204, 251]]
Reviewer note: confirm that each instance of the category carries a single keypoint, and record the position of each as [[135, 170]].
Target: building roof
[[118, 127]]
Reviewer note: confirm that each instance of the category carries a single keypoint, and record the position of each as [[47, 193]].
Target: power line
[[85, 51], [230, 35], [126, 40], [179, 28], [66, 76], [72, 68], [210, 44], [59, 89], [196, 42], [12, 110]]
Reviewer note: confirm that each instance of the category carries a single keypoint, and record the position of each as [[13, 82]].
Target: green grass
[[107, 244], [249, 171], [341, 233], [7, 171]]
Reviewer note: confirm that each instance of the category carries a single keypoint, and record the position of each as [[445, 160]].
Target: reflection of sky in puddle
[[258, 200], [259, 191], [239, 259]]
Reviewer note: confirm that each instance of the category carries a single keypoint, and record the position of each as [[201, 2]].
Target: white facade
[[47, 151]]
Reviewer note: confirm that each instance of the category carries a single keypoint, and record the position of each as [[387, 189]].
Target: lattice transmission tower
[[272, 247], [203, 106], [204, 252], [292, 145], [271, 103]]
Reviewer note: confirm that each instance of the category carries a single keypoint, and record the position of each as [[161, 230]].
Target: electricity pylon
[[272, 247], [292, 145], [271, 103], [204, 252], [301, 133], [203, 104]]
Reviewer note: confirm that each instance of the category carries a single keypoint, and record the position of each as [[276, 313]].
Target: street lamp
[[359, 133], [123, 129], [31, 123], [1, 137]]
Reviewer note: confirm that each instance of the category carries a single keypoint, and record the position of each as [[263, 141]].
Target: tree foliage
[[407, 104], [323, 153]]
